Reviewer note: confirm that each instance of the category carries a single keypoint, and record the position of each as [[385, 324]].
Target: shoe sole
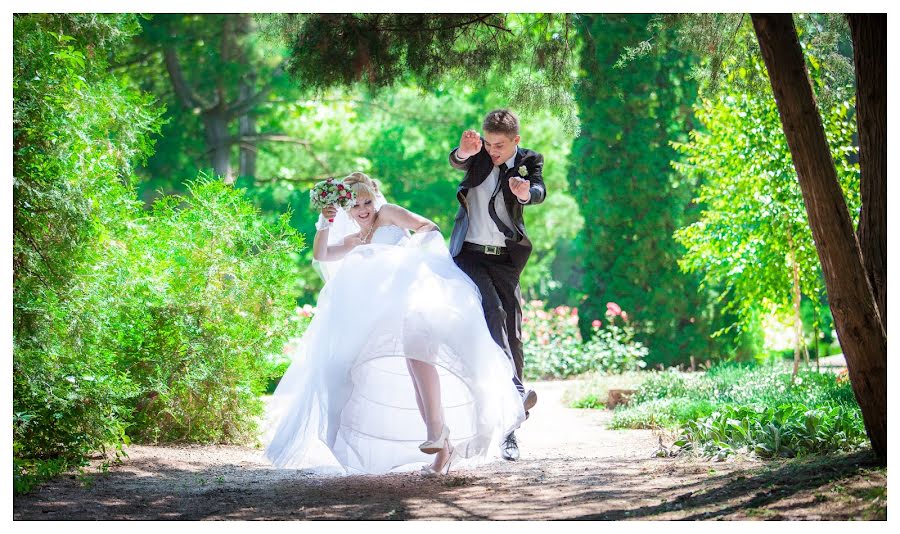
[[530, 400]]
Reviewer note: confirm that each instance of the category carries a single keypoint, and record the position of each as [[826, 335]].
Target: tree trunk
[[852, 302], [218, 144], [869, 33]]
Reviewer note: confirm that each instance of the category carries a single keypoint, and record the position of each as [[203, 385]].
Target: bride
[[398, 351]]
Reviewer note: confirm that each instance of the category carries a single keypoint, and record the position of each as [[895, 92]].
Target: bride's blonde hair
[[362, 185]]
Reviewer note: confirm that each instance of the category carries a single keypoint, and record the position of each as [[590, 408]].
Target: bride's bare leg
[[416, 388], [428, 396], [427, 385]]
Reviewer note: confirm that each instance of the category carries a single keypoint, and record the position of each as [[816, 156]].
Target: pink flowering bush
[[554, 347]]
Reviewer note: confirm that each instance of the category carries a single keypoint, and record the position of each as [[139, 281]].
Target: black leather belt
[[485, 249]]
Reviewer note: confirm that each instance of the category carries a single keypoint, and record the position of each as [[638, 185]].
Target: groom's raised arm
[[457, 163], [470, 144]]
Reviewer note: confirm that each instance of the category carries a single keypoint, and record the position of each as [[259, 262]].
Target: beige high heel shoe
[[428, 471], [436, 446]]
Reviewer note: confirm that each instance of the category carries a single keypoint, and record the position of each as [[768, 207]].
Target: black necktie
[[492, 211]]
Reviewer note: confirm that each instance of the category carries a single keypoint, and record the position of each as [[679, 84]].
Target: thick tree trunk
[[869, 33], [856, 317]]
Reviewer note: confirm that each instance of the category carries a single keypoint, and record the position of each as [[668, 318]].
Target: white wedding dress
[[347, 402]]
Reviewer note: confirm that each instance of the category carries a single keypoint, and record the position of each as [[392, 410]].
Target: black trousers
[[498, 281]]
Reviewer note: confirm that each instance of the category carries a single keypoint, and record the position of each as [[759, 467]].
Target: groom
[[489, 242]]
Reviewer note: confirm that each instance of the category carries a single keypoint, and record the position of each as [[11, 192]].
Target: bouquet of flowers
[[331, 192]]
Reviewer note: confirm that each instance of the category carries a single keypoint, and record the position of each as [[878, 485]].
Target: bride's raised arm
[[402, 217], [322, 251]]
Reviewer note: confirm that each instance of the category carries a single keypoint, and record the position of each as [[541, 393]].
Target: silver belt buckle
[[492, 250]]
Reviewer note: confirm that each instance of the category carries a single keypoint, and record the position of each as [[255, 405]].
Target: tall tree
[[753, 235], [869, 33], [214, 71], [860, 329], [630, 197]]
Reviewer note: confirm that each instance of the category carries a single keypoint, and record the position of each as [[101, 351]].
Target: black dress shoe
[[510, 448]]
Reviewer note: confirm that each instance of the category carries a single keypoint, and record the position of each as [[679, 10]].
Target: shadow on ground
[[849, 486]]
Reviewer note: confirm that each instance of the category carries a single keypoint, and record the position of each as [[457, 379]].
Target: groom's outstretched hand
[[469, 145], [520, 187]]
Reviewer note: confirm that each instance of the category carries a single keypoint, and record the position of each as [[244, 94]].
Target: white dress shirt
[[482, 229]]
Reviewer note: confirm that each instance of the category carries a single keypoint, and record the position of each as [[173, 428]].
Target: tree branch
[[418, 29], [188, 97], [243, 106], [248, 141]]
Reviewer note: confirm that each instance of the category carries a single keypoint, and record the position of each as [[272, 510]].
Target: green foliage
[[590, 402], [786, 430], [531, 54], [725, 42], [177, 331], [203, 301], [750, 409], [77, 131], [753, 228], [630, 198], [661, 413], [554, 347], [126, 324], [230, 71]]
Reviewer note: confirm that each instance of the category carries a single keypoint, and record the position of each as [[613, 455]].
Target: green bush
[[751, 409], [661, 385], [203, 302], [175, 334], [661, 413], [788, 430], [77, 131], [157, 326]]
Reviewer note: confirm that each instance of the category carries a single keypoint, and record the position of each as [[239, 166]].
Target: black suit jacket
[[478, 168]]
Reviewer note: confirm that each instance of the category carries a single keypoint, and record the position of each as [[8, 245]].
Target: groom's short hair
[[502, 121]]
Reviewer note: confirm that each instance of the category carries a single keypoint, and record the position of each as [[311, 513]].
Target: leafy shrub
[[174, 335], [77, 131], [277, 364], [554, 347], [154, 326], [661, 385], [750, 409], [661, 413], [786, 430], [203, 301]]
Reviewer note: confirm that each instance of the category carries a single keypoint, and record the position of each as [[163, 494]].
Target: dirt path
[[572, 467]]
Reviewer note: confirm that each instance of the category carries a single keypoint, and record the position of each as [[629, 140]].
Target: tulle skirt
[[347, 402]]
